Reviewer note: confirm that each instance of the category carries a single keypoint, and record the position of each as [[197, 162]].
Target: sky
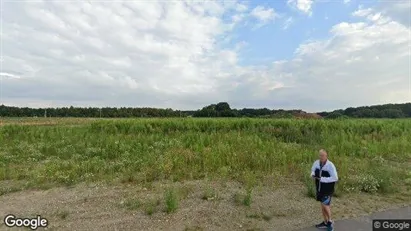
[[292, 54]]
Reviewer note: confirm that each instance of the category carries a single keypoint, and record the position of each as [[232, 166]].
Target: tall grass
[[146, 150], [171, 200]]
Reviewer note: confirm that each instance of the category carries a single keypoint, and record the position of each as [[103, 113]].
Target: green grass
[[248, 198], [150, 209], [171, 200], [148, 150], [6, 189], [243, 199]]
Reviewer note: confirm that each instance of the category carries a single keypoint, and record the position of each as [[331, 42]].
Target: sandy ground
[[102, 207]]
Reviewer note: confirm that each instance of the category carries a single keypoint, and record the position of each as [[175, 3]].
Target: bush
[[368, 183]]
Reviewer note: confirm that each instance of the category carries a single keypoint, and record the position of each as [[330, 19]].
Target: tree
[[336, 115], [222, 106]]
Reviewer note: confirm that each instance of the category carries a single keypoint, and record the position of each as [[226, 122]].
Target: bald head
[[323, 155]]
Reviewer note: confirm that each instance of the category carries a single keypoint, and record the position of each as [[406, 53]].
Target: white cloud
[[241, 7], [361, 12], [287, 23], [264, 15], [347, 1], [8, 75], [170, 54], [303, 5], [354, 65], [399, 11], [119, 53], [237, 18]]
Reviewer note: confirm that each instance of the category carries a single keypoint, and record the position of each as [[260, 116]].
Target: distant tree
[[392, 113], [222, 106], [349, 111], [221, 109], [336, 115]]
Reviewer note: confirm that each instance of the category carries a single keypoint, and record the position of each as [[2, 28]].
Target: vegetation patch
[[171, 200], [143, 151]]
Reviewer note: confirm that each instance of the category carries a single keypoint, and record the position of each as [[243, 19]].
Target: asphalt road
[[365, 223]]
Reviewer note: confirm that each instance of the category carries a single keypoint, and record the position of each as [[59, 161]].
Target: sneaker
[[322, 225], [330, 226]]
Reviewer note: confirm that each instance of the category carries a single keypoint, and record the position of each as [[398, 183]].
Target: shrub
[[171, 201], [368, 183]]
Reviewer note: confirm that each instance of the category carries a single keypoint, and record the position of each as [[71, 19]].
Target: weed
[[209, 194], [151, 206], [263, 216], [6, 190], [241, 199], [247, 199], [132, 204], [186, 190], [63, 214], [171, 201], [150, 209]]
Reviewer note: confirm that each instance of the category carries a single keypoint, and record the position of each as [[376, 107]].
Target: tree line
[[221, 109], [376, 111]]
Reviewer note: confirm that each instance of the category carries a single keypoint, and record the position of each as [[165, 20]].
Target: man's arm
[[333, 175], [313, 169]]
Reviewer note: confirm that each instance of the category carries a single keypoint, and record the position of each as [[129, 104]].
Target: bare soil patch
[[202, 205]]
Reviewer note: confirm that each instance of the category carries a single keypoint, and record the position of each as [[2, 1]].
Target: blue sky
[[188, 54], [273, 42]]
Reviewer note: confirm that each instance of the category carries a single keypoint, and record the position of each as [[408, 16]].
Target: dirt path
[[104, 207], [365, 223]]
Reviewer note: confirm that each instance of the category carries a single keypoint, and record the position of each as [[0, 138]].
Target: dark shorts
[[325, 200]]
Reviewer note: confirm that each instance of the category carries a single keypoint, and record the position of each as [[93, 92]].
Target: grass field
[[373, 152], [371, 156]]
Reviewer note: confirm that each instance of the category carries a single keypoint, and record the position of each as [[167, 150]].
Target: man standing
[[325, 175]]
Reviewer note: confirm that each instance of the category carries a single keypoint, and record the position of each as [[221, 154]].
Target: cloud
[[362, 62], [181, 55], [263, 14], [241, 7], [162, 48], [287, 23], [302, 5], [397, 10], [362, 12], [8, 75], [347, 1]]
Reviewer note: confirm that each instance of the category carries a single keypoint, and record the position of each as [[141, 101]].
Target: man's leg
[[323, 224], [325, 213], [327, 209]]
